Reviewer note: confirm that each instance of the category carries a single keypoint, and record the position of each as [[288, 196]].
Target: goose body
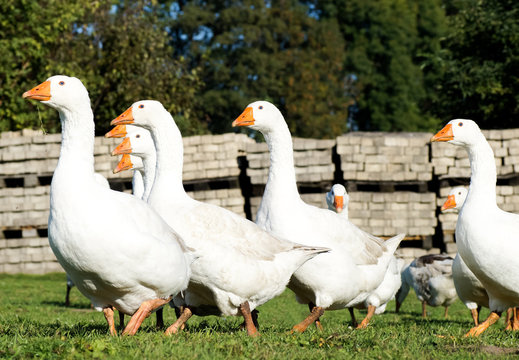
[[239, 266], [469, 289], [431, 278], [70, 284], [356, 266], [487, 237], [134, 268], [337, 200]]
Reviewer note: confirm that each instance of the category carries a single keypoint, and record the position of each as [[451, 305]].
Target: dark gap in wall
[[14, 182], [13, 234], [43, 233]]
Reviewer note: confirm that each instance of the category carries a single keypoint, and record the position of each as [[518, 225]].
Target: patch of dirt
[[487, 349], [496, 350]]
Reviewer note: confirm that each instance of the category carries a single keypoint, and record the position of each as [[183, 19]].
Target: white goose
[[141, 184], [487, 237], [356, 266], [142, 181], [135, 268], [337, 200], [431, 278], [240, 266], [469, 289], [70, 284]]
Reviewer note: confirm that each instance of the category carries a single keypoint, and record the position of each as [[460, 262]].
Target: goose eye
[[141, 106], [261, 107], [460, 124], [138, 136], [62, 83]]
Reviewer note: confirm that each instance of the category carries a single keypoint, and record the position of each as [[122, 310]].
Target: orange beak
[[124, 164], [123, 148], [245, 119], [444, 134], [117, 132], [338, 202], [40, 92], [450, 203], [124, 119]]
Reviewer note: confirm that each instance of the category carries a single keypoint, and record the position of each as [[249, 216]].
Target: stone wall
[[396, 182]]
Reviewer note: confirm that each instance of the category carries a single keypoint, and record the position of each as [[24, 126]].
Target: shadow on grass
[[61, 304]]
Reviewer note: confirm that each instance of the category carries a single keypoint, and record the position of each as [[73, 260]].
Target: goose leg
[[509, 318], [185, 314], [67, 297], [353, 320], [446, 313], [160, 318], [109, 316], [142, 313], [365, 322], [249, 323], [424, 308], [475, 316], [254, 313], [477, 330], [317, 322], [515, 321], [178, 312], [316, 313], [121, 319]]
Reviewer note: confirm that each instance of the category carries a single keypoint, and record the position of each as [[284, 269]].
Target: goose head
[[337, 198], [118, 131], [455, 199], [138, 142], [460, 132], [261, 116], [60, 92], [129, 162], [142, 113]]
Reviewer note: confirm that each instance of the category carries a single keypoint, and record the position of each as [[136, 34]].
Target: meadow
[[35, 324]]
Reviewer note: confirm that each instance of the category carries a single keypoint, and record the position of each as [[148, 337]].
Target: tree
[[120, 50], [251, 50], [29, 31], [480, 61], [385, 44]]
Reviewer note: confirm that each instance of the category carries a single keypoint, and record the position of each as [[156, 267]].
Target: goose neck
[[149, 164], [77, 141], [484, 175], [169, 159], [282, 176]]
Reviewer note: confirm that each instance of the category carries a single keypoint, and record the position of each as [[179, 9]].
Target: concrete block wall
[[28, 159], [396, 182]]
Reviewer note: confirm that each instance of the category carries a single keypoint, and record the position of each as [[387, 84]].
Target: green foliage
[[384, 43], [29, 31], [404, 64], [119, 50], [34, 324], [250, 51], [480, 60]]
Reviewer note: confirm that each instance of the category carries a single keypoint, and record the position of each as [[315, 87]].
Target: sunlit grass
[[34, 323]]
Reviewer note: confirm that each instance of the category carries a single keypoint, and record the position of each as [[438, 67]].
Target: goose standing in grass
[[337, 200], [469, 289], [487, 237], [239, 266], [431, 278], [141, 185], [358, 261], [135, 267]]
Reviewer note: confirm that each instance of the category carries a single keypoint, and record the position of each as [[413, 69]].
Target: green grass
[[34, 323]]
